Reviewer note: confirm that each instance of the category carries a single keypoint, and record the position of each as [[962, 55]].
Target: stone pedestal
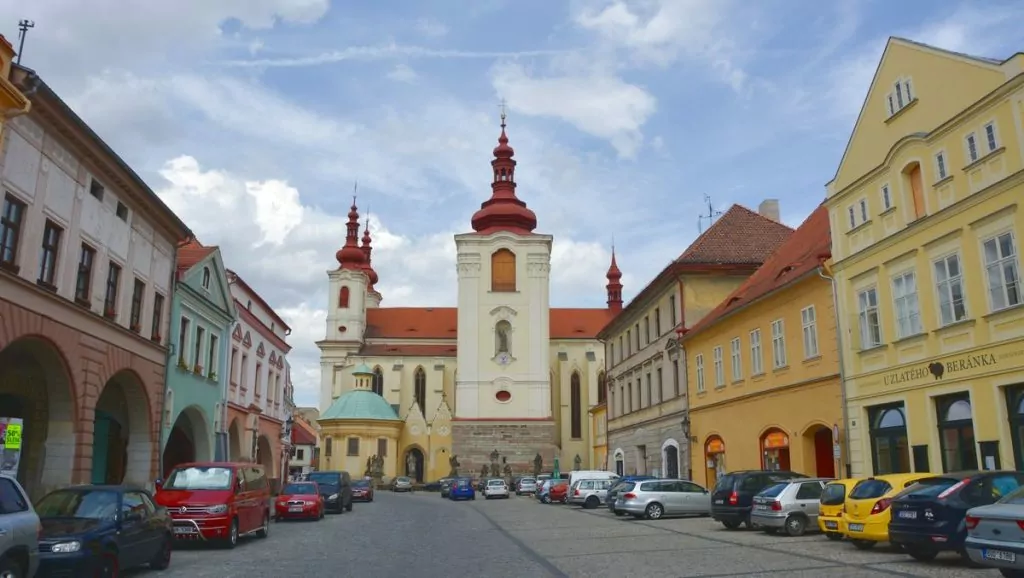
[[517, 441]]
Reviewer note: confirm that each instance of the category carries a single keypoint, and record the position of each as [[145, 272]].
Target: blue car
[[462, 489]]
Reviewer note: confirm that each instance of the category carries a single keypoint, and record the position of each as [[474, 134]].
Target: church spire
[[367, 251], [504, 211], [351, 256], [614, 287]]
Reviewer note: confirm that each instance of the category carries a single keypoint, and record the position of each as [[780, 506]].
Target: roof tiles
[[192, 252], [740, 236]]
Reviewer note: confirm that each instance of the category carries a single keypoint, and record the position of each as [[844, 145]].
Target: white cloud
[[403, 73], [384, 52]]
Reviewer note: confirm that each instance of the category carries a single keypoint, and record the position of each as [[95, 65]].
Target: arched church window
[[327, 446], [503, 337], [602, 392], [378, 381], [420, 386], [575, 407], [503, 271], [206, 277], [343, 297]]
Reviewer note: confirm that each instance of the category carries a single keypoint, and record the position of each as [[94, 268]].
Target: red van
[[217, 501]]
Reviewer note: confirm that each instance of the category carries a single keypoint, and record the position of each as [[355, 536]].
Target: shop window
[[956, 433], [775, 451], [890, 452]]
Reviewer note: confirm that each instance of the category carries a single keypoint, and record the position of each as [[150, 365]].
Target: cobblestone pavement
[[423, 536]]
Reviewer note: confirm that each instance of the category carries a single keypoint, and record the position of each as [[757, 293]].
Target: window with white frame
[[756, 356], [853, 217], [950, 285], [863, 210], [700, 372], [1003, 271], [719, 367], [940, 165], [779, 343], [901, 95], [886, 197], [971, 143], [990, 137], [870, 325], [809, 322], [737, 362], [905, 302]]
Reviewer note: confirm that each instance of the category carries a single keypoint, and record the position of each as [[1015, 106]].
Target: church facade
[[502, 374]]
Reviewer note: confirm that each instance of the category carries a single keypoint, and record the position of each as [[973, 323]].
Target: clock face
[[504, 358]]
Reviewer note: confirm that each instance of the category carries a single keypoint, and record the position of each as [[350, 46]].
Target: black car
[[733, 496], [336, 488], [102, 530], [929, 516]]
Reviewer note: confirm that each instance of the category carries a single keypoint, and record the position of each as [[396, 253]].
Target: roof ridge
[[720, 239]]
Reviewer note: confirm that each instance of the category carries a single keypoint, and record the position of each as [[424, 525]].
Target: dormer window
[[206, 278], [901, 95]]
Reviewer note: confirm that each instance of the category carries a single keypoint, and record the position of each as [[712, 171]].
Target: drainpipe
[[825, 272]]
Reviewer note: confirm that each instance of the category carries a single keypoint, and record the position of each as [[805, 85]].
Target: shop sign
[[10, 445], [940, 369], [715, 446], [776, 440]]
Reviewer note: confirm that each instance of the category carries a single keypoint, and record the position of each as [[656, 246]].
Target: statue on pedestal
[[538, 463], [577, 462], [495, 469], [410, 465], [453, 462], [483, 471], [508, 472], [369, 466]]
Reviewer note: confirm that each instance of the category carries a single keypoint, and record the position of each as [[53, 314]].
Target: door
[[675, 499], [808, 501], [134, 539], [18, 526], [696, 499]]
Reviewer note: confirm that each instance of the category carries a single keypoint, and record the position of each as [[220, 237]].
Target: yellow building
[[926, 232], [763, 367], [12, 102], [599, 425]]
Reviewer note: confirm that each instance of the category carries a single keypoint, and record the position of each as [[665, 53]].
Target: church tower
[[503, 389]]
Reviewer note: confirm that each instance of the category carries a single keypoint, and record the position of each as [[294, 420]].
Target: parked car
[[462, 489], [654, 499], [362, 491], [526, 486], [336, 487], [299, 500], [589, 493], [446, 486], [217, 501], [102, 530], [401, 484], [496, 489], [791, 506], [558, 493], [995, 534], [866, 512], [929, 516], [19, 545], [830, 510], [733, 496], [620, 486], [577, 475]]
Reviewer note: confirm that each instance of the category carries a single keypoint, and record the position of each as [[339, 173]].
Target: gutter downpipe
[[825, 272]]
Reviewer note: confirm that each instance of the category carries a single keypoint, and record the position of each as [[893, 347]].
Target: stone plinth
[[517, 441]]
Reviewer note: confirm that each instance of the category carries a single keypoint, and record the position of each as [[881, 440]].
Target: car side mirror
[[158, 484], [238, 486]]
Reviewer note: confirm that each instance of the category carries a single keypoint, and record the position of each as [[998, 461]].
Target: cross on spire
[[503, 105]]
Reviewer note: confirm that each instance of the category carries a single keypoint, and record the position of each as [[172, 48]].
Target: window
[[650, 390], [158, 317], [353, 446], [1003, 271], [327, 446], [12, 501], [657, 322], [48, 255], [756, 357], [940, 165], [629, 341], [96, 190], [343, 295], [870, 327], [382, 447], [956, 433], [378, 381], [809, 322], [212, 356], [257, 390], [135, 319], [675, 377], [972, 148], [122, 211], [672, 309], [948, 280], [659, 385], [183, 333], [886, 198], [853, 217], [637, 335], [197, 348], [10, 231], [990, 137], [779, 343], [611, 353], [863, 210], [233, 377], [83, 281], [719, 369], [908, 311], [700, 372], [503, 271], [420, 393], [629, 399], [737, 362], [206, 277], [113, 283], [244, 371], [900, 96], [575, 407], [647, 330], [300, 454], [602, 387], [622, 350]]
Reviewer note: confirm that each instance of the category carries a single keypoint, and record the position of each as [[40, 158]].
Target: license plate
[[907, 515], [719, 501], [295, 508], [831, 525], [761, 507], [856, 527], [184, 530], [1001, 555]]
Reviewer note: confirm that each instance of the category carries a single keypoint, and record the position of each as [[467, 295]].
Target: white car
[[496, 489]]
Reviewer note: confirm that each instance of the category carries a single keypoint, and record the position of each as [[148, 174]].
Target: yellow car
[[830, 512], [866, 513]]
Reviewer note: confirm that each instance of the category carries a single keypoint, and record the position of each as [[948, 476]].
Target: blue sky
[[254, 119]]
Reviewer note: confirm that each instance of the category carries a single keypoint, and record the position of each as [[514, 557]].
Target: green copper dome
[[360, 404], [362, 369]]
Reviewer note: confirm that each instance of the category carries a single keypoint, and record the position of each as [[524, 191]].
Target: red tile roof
[[191, 252], [302, 433], [806, 248], [442, 323], [737, 237]]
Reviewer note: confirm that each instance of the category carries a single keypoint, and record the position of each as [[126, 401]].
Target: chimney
[[769, 209]]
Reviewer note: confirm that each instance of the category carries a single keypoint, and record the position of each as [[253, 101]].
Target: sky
[[254, 120]]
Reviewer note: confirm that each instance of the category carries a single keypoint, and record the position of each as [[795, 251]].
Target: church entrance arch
[[414, 464]]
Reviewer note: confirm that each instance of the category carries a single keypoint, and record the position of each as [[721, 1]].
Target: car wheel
[[921, 554], [863, 544], [730, 524], [592, 502], [232, 539], [618, 513], [109, 566], [654, 511], [162, 560], [265, 530], [796, 526], [1008, 573], [10, 568]]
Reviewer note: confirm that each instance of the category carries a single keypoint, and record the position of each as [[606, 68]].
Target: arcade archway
[[188, 440], [235, 441], [265, 456], [122, 444]]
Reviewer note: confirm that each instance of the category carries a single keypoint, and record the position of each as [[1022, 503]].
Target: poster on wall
[[10, 445]]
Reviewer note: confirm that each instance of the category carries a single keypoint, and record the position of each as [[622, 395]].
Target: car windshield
[[496, 483], [869, 489], [361, 484], [199, 478], [294, 489], [1014, 497], [89, 504], [930, 487], [463, 483], [324, 478], [402, 480], [772, 491], [725, 483], [622, 487], [528, 481], [833, 495]]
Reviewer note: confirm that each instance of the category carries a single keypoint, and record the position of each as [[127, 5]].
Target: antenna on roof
[[710, 217], [23, 26]]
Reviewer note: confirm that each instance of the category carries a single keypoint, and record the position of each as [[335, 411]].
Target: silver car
[[995, 534], [792, 506], [496, 489], [401, 484], [589, 493], [526, 486], [653, 499], [19, 531]]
